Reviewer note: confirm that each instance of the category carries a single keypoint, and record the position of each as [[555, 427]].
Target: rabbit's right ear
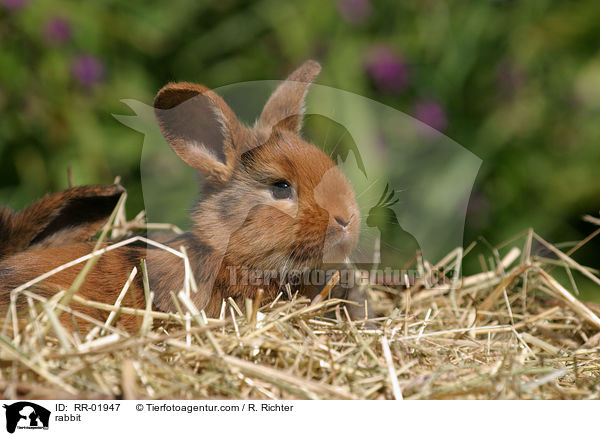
[[285, 107], [200, 127]]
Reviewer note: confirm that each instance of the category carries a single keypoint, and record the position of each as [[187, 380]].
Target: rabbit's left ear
[[200, 128], [285, 107]]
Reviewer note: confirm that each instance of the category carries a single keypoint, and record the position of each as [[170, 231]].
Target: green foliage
[[515, 82]]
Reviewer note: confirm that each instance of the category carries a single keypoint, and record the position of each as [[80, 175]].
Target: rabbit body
[[271, 202]]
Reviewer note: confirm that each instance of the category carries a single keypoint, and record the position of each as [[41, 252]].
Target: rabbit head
[[271, 199]]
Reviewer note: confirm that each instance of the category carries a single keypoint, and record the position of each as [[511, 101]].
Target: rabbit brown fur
[[72, 215], [271, 202]]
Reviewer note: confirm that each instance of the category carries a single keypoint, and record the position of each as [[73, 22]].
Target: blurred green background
[[515, 82]]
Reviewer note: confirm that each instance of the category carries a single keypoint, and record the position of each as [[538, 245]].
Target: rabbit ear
[[72, 215], [200, 127], [285, 107]]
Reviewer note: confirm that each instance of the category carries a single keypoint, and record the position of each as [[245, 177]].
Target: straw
[[514, 329]]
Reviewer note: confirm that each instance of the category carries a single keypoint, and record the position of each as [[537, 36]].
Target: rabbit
[[271, 201]]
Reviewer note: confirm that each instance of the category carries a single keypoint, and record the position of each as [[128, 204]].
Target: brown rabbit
[[272, 202]]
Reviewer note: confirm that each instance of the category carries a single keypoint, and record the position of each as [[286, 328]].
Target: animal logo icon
[[370, 143], [398, 247], [382, 214], [26, 415]]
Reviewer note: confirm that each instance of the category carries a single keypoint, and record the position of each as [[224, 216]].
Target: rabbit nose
[[342, 222]]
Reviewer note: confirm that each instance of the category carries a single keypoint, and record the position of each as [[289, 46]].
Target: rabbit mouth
[[338, 245]]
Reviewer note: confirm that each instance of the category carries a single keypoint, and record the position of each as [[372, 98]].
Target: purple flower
[[14, 5], [431, 113], [354, 11], [57, 30], [387, 69], [87, 69]]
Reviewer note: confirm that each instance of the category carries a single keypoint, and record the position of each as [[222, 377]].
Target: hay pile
[[511, 331]]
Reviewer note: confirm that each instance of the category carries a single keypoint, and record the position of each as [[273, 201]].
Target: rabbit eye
[[281, 190]]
